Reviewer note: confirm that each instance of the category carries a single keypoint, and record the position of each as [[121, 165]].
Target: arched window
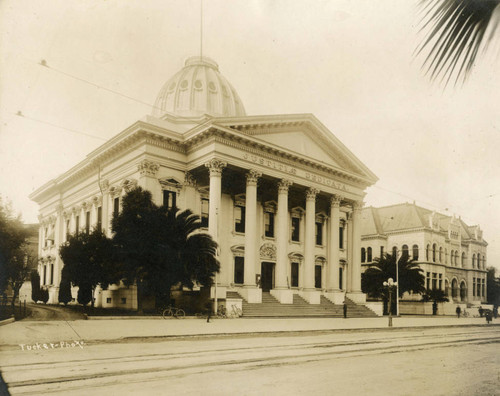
[[454, 288], [440, 254], [363, 255], [446, 256], [474, 260], [434, 252], [478, 260], [369, 255], [463, 291], [427, 250], [415, 252], [463, 259], [456, 258], [405, 251], [394, 251]]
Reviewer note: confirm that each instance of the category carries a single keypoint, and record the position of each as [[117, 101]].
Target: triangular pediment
[[301, 144], [302, 136]]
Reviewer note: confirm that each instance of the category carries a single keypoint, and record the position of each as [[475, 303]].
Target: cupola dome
[[197, 89]]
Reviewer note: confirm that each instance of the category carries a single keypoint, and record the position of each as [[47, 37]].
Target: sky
[[350, 63]]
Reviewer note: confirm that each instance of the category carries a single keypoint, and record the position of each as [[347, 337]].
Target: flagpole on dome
[[201, 30]]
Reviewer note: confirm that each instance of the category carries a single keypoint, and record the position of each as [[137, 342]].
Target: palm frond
[[457, 30]]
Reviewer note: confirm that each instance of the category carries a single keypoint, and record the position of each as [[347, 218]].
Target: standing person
[[458, 311], [208, 306], [488, 314], [495, 311], [481, 311], [345, 310]]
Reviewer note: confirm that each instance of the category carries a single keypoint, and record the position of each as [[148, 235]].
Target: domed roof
[[197, 89]]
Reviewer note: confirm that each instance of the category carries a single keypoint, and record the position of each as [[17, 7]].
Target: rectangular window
[[474, 287], [239, 219], [169, 199], [317, 276], [116, 206], [46, 233], [295, 229], [239, 269], [341, 237], [67, 229], [108, 300], [205, 206], [340, 278], [483, 287], [428, 280], [440, 281], [381, 251], [87, 222], [99, 218], [51, 274], [295, 274], [319, 233], [77, 225], [124, 300], [269, 224], [44, 274], [434, 281]]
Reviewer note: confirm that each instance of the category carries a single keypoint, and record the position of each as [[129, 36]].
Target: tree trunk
[[140, 310], [15, 287]]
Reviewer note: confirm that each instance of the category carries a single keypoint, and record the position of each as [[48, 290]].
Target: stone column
[[105, 207], [190, 192], [58, 240], [282, 293], [215, 168], [251, 292], [355, 265], [332, 273], [309, 292]]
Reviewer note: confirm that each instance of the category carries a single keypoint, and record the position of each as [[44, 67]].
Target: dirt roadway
[[42, 312], [438, 361]]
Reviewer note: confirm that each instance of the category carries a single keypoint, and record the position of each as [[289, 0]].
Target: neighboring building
[[279, 193], [451, 254]]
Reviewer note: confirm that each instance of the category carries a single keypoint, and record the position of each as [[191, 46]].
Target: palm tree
[[411, 276], [436, 296], [456, 30], [160, 248]]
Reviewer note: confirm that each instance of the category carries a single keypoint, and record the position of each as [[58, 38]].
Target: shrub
[[44, 295], [35, 285], [84, 294]]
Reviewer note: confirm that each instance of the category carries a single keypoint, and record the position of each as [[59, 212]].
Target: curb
[[7, 321]]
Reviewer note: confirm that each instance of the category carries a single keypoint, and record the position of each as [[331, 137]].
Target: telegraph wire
[[43, 63], [20, 114]]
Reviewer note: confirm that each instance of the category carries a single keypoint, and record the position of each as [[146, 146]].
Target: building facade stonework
[[279, 193], [451, 253]]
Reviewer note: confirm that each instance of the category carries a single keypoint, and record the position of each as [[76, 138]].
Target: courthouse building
[[280, 193], [451, 253]]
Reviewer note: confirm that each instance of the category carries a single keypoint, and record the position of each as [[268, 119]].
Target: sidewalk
[[24, 332]]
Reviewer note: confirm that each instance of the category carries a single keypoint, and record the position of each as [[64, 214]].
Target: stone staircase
[[271, 308]]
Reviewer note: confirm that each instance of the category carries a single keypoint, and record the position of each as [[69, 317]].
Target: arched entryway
[[463, 291], [454, 289]]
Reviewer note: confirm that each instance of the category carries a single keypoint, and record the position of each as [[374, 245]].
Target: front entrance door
[[267, 276]]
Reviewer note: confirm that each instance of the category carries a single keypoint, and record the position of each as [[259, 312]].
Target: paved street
[[449, 360]]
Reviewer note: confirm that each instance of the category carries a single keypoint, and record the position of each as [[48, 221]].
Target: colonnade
[[281, 291]]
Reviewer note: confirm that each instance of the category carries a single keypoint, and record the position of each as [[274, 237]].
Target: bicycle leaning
[[170, 311]]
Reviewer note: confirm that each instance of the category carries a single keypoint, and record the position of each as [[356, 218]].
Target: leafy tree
[[44, 295], [457, 30], [85, 293], [12, 237], [411, 277], [88, 261], [19, 267], [436, 296], [160, 248], [65, 288], [35, 285], [492, 287]]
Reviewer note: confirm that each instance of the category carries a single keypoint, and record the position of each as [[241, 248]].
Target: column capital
[[189, 180], [283, 186], [129, 184], [335, 200], [148, 168], [104, 185], [97, 200], [357, 205], [252, 177], [311, 194], [215, 166]]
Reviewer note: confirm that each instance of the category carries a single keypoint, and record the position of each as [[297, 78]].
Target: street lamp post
[[397, 284], [389, 285]]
